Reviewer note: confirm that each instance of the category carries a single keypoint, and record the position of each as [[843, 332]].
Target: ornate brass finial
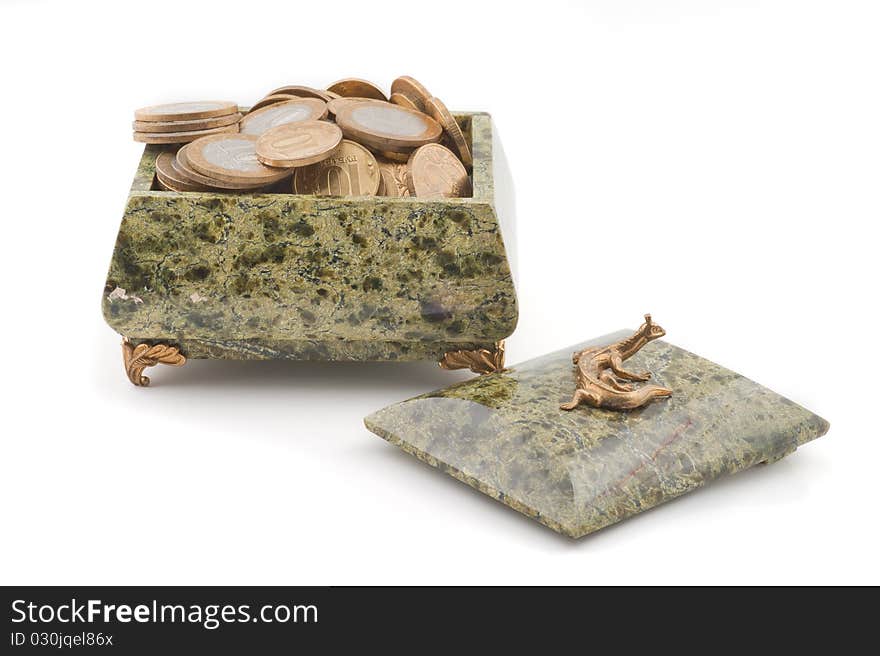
[[601, 388], [481, 361], [137, 358]]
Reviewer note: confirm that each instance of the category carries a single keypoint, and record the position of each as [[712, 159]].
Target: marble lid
[[576, 472]]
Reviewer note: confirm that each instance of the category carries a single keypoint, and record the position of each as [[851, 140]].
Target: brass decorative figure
[[137, 358], [600, 370], [480, 361]]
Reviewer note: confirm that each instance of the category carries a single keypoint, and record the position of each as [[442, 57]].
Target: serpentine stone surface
[[577, 472], [278, 275]]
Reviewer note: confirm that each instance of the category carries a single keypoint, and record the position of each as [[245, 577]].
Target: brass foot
[[137, 358], [481, 361]]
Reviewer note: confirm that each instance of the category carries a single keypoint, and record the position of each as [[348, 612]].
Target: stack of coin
[[348, 140], [184, 122]]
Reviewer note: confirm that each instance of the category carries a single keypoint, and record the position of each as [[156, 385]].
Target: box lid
[[578, 471]]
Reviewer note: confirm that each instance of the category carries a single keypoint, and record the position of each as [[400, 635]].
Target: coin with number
[[298, 144], [291, 111], [231, 158], [412, 89], [186, 126], [385, 126], [350, 171], [444, 117], [186, 111], [435, 172], [353, 87]]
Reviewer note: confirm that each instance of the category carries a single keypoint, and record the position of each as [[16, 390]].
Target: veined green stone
[[227, 275], [579, 471]]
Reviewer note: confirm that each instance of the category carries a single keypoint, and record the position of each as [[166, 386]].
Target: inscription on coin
[[350, 171]]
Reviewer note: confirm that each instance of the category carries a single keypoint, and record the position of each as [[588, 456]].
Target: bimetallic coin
[[412, 89], [169, 176], [350, 171], [180, 137], [393, 179], [298, 144], [353, 87], [186, 126], [270, 100], [444, 117], [403, 101], [186, 111], [183, 168], [435, 172], [301, 92], [291, 111], [385, 126], [231, 158]]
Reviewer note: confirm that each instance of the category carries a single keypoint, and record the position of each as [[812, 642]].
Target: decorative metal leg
[[481, 361], [137, 358]]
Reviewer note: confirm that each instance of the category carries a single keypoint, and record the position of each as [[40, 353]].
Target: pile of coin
[[347, 140], [184, 122]]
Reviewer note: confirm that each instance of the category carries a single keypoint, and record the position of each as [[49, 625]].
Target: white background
[[713, 162]]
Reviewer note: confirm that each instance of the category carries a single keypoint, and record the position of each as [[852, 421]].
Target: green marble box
[[278, 275], [578, 471]]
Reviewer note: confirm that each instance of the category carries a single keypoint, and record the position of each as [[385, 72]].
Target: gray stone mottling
[[577, 472]]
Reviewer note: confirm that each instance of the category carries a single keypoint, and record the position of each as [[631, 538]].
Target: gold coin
[[385, 126], [290, 111], [169, 177], [298, 144], [350, 171], [412, 89], [393, 177], [231, 158], [435, 172], [444, 117], [353, 87], [186, 126], [301, 92], [185, 111], [180, 137], [403, 101], [184, 169], [270, 100]]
